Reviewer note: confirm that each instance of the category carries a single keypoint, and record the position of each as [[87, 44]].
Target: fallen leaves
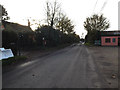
[[114, 76]]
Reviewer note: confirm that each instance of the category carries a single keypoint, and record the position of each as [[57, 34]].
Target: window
[[107, 40], [113, 40]]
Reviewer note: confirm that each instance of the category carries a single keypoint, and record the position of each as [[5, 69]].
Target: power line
[[95, 6], [103, 6]]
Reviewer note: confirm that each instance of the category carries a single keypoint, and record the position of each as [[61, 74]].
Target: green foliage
[[58, 31], [65, 25], [96, 22], [56, 19], [54, 37], [26, 39], [13, 60], [50, 35], [94, 25], [92, 36], [9, 40], [17, 41], [16, 36], [4, 13], [88, 44]]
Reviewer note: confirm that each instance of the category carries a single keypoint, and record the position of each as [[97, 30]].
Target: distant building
[[15, 27], [18, 29], [28, 23], [110, 38]]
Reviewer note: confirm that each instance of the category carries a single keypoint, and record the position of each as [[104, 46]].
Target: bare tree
[[52, 11], [4, 13], [56, 18]]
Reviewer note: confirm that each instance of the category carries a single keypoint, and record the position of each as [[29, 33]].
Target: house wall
[[103, 43]]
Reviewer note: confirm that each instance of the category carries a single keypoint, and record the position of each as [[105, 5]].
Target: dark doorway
[[118, 41]]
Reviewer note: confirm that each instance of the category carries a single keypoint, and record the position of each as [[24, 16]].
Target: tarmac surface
[[71, 67]]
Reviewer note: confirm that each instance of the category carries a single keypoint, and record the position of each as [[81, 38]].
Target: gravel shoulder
[[106, 59]]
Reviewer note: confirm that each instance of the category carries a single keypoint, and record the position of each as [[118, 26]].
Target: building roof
[[9, 26], [110, 33]]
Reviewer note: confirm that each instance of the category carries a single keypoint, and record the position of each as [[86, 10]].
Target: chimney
[[28, 23]]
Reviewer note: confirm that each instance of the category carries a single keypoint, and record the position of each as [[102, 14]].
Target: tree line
[[58, 30]]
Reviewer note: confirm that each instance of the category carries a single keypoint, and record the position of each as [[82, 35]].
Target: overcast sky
[[77, 10]]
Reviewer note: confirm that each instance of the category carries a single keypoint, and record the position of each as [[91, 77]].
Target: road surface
[[71, 67]]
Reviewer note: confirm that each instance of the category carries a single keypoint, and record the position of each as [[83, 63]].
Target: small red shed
[[110, 38]]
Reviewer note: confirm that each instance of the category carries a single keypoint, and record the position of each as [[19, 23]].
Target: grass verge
[[13, 60], [89, 44]]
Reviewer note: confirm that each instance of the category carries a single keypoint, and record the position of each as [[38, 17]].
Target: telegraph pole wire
[[104, 5], [95, 6]]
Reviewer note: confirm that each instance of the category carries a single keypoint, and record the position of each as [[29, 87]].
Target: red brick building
[[110, 38]]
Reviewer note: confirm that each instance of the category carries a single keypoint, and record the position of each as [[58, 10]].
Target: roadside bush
[[54, 37], [88, 44], [9, 40], [26, 40], [14, 41]]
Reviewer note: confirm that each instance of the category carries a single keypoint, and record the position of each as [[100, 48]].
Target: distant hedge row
[[42, 37], [16, 41]]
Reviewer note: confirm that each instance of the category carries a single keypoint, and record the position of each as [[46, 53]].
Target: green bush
[[9, 40], [12, 60], [88, 44]]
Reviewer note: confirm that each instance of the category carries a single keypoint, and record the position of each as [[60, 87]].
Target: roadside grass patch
[[89, 44], [13, 60]]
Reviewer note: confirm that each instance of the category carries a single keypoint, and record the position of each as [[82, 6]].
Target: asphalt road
[[71, 67]]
